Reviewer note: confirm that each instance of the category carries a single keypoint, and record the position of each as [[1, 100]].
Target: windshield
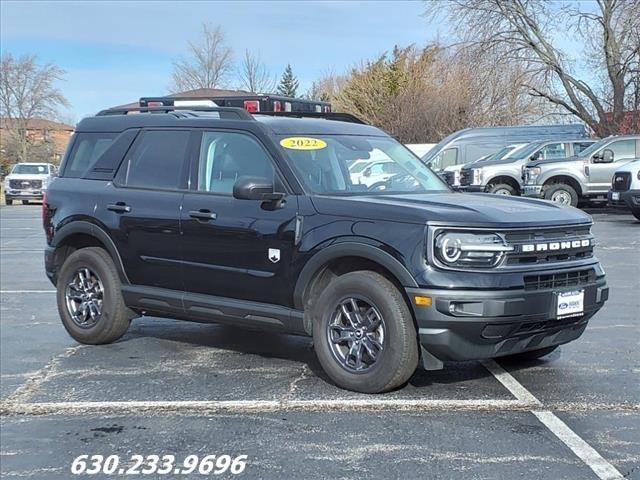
[[30, 169], [587, 152], [321, 162], [527, 151]]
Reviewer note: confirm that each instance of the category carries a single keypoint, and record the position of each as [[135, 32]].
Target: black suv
[[219, 216]]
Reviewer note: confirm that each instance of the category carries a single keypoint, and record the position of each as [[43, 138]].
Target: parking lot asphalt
[[172, 387]]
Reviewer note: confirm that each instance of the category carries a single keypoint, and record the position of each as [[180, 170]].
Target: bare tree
[[327, 87], [208, 64], [254, 75], [523, 31], [422, 95], [27, 92]]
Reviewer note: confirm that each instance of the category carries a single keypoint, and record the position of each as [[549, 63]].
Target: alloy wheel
[[356, 334], [83, 298]]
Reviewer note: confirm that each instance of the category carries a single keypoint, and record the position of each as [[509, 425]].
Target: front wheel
[[562, 194], [90, 299], [364, 334], [636, 213], [502, 189]]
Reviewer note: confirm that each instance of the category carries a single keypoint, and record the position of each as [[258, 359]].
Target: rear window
[[87, 148]]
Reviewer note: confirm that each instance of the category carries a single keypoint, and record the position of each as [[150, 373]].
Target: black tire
[[8, 201], [636, 213], [502, 189], [114, 318], [25, 202], [558, 191], [398, 358], [530, 355]]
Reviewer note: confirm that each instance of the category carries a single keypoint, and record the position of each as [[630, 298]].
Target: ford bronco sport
[[215, 215]]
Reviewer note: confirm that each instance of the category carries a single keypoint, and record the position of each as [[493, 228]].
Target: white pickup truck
[[625, 188]]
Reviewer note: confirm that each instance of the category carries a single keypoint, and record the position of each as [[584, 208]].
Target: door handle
[[203, 214], [119, 207]]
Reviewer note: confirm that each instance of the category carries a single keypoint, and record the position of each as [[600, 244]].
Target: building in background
[[47, 139]]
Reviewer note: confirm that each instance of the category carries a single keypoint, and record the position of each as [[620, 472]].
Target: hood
[[27, 176], [472, 210]]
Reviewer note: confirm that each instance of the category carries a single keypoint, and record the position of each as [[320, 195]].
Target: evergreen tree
[[288, 84]]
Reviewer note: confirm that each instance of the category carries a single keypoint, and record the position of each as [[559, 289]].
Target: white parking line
[[585, 452], [27, 291], [9, 407]]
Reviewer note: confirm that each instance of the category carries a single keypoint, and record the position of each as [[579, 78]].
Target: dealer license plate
[[615, 195], [570, 304]]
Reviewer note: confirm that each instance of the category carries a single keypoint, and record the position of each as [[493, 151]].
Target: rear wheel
[[562, 194], [530, 355], [89, 297], [364, 333], [502, 189]]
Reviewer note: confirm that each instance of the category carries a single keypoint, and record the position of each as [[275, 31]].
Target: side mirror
[[256, 188], [367, 172], [605, 157], [536, 156]]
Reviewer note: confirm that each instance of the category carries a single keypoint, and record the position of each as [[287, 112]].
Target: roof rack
[[225, 112], [340, 117]]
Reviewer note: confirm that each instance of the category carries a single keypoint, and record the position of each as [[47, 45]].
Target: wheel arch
[[566, 179], [340, 259], [80, 234], [504, 178]]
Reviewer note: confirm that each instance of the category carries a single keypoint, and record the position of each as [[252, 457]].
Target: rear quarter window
[[87, 149]]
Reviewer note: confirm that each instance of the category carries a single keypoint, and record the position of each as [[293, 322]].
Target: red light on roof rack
[[277, 106], [252, 106], [154, 104]]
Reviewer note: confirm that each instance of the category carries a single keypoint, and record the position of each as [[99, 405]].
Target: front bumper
[[23, 194], [627, 199], [532, 191], [475, 324]]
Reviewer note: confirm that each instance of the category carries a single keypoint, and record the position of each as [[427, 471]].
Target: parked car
[[452, 174], [625, 188], [503, 176], [28, 181], [376, 173], [254, 221], [470, 144], [586, 177]]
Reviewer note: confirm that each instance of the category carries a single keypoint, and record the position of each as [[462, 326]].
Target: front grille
[[542, 247], [448, 177], [559, 280], [621, 181], [25, 184], [466, 177]]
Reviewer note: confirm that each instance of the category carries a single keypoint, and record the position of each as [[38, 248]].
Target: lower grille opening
[[559, 280]]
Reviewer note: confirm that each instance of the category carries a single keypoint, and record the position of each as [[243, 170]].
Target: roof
[[278, 125], [38, 124]]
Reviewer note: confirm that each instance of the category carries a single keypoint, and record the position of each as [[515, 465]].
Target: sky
[[115, 52]]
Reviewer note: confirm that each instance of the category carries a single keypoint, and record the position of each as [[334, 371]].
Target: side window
[[377, 169], [86, 150], [553, 150], [579, 147], [226, 156], [623, 149], [156, 160]]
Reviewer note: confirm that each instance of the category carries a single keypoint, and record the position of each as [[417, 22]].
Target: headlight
[[470, 250], [638, 175], [531, 174], [477, 176]]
